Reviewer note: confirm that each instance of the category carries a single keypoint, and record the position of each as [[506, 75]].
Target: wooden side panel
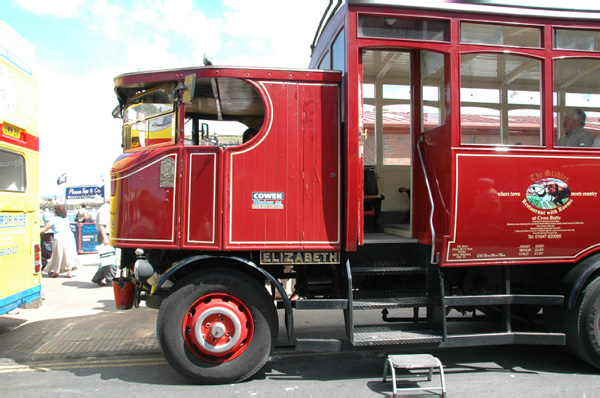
[[322, 206], [201, 216], [276, 194]]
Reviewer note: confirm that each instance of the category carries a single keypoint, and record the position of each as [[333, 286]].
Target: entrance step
[[394, 334], [402, 230]]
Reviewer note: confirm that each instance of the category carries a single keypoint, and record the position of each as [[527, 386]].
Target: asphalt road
[[472, 372]]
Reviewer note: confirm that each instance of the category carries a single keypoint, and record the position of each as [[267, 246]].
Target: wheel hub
[[218, 327]]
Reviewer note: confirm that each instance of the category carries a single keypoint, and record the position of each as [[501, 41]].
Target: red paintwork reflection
[[146, 212], [499, 219]]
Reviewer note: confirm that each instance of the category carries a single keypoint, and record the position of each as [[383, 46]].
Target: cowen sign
[[91, 192]]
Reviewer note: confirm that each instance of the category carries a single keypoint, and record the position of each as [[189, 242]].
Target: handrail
[[321, 25], [434, 259]]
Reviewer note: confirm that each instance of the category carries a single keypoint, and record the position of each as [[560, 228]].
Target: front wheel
[[218, 327], [583, 324]]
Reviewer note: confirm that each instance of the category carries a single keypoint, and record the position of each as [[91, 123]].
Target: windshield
[[149, 118]]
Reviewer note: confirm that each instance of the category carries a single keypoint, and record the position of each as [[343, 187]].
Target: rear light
[[37, 258]]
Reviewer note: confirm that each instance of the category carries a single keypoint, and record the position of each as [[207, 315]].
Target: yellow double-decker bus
[[20, 255]]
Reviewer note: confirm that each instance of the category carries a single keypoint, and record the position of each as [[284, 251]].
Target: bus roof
[[549, 8]]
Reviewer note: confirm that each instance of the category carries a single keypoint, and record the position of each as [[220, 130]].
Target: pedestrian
[[82, 214], [46, 215], [64, 251], [92, 214], [108, 260]]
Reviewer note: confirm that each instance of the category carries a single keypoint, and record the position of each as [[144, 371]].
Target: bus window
[[337, 51], [500, 100], [325, 62], [571, 39], [432, 89], [500, 35], [577, 91], [12, 172], [403, 28]]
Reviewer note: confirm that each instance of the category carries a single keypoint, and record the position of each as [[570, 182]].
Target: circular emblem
[[548, 193]]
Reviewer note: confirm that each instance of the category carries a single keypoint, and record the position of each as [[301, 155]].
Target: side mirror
[[117, 113], [188, 90]]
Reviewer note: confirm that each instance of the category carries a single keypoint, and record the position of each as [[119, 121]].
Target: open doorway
[[403, 95], [387, 131]]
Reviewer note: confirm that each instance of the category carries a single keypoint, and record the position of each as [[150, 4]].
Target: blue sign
[[91, 192], [85, 237]]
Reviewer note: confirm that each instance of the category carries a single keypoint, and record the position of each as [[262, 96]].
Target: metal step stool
[[412, 362]]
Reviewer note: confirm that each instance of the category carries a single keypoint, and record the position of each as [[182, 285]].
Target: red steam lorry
[[418, 169]]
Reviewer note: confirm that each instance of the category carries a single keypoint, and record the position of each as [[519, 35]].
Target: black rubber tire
[[248, 291], [582, 325]]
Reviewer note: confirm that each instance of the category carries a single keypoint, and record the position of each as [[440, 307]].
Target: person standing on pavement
[[82, 214], [64, 251], [106, 272]]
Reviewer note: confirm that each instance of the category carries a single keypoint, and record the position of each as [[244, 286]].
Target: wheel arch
[[573, 283], [203, 261]]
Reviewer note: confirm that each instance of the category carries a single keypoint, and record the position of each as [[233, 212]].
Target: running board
[[524, 338], [503, 299], [320, 345]]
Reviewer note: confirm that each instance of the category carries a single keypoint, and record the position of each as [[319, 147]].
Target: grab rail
[[434, 258]]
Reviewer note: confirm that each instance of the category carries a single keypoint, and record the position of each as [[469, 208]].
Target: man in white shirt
[[575, 134]]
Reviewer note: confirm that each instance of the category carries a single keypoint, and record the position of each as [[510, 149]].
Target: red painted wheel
[[218, 327]]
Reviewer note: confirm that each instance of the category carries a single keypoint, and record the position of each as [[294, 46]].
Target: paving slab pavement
[[77, 319]]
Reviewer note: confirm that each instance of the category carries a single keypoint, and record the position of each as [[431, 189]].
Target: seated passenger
[[248, 135], [575, 134]]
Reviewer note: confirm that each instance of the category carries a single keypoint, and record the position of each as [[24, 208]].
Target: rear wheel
[[217, 327], [582, 324]]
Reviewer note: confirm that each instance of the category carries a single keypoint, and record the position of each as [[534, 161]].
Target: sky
[[82, 45]]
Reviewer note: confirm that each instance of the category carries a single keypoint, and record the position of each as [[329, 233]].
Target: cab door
[[202, 197]]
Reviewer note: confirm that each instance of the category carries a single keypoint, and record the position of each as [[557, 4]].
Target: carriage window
[[433, 89], [12, 172], [573, 39], [500, 35], [403, 28], [577, 102], [325, 62], [337, 51], [500, 100]]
